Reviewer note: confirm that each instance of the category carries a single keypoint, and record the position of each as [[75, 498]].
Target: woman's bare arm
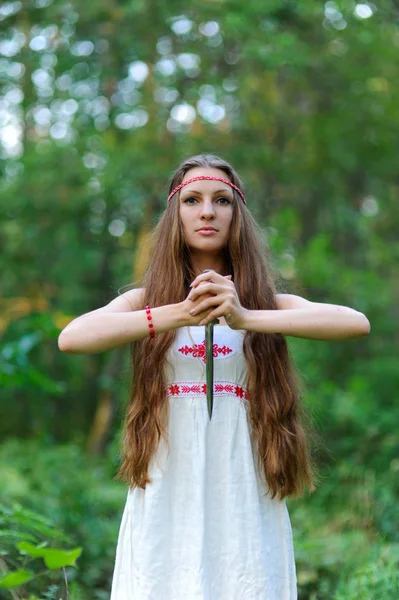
[[299, 317], [120, 322]]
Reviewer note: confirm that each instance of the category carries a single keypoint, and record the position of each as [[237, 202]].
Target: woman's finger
[[206, 304], [215, 314], [206, 288], [209, 276]]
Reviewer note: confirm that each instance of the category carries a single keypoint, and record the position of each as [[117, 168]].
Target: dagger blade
[[209, 361], [209, 364]]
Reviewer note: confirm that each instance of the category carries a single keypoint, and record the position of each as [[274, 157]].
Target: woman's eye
[[192, 200]]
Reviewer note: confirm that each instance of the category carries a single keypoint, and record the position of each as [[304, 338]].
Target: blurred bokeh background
[[99, 103]]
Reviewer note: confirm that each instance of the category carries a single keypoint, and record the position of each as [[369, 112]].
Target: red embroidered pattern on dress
[[199, 350], [188, 388]]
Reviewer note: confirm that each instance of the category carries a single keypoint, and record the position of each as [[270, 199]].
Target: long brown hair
[[272, 382]]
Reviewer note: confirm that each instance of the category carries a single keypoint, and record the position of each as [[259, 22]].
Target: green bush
[[80, 497], [28, 556], [378, 578]]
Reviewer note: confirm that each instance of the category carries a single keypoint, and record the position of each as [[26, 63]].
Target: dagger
[[209, 361]]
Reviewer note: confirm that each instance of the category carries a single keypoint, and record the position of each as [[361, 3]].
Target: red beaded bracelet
[[149, 319]]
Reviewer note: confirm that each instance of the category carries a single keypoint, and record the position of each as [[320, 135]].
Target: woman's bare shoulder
[[133, 298], [130, 300], [126, 302]]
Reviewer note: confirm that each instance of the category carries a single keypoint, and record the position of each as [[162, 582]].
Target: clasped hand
[[221, 295]]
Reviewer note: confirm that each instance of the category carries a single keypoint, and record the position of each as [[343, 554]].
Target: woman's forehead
[[202, 171], [219, 188], [205, 185]]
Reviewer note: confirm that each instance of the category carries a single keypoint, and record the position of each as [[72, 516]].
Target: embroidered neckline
[[199, 350]]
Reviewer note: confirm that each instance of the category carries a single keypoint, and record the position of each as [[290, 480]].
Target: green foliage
[[17, 525], [16, 579], [61, 490], [53, 559], [378, 578], [16, 368]]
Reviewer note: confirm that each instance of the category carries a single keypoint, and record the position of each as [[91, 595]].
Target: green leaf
[[56, 559], [31, 550], [53, 558], [16, 578]]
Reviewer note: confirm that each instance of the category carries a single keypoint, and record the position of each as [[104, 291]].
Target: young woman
[[205, 517]]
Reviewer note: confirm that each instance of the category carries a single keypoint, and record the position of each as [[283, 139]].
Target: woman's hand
[[188, 304], [221, 299]]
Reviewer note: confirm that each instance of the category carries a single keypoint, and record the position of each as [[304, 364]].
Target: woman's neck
[[201, 263]]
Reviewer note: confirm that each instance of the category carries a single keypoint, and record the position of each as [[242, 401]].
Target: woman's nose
[[207, 208]]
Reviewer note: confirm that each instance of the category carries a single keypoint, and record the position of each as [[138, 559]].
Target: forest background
[[99, 103]]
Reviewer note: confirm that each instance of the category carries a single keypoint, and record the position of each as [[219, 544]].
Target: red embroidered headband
[[179, 187]]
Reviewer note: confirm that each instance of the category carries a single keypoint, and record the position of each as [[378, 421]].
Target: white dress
[[203, 529]]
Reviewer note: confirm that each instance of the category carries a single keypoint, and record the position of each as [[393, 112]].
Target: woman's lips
[[207, 231]]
